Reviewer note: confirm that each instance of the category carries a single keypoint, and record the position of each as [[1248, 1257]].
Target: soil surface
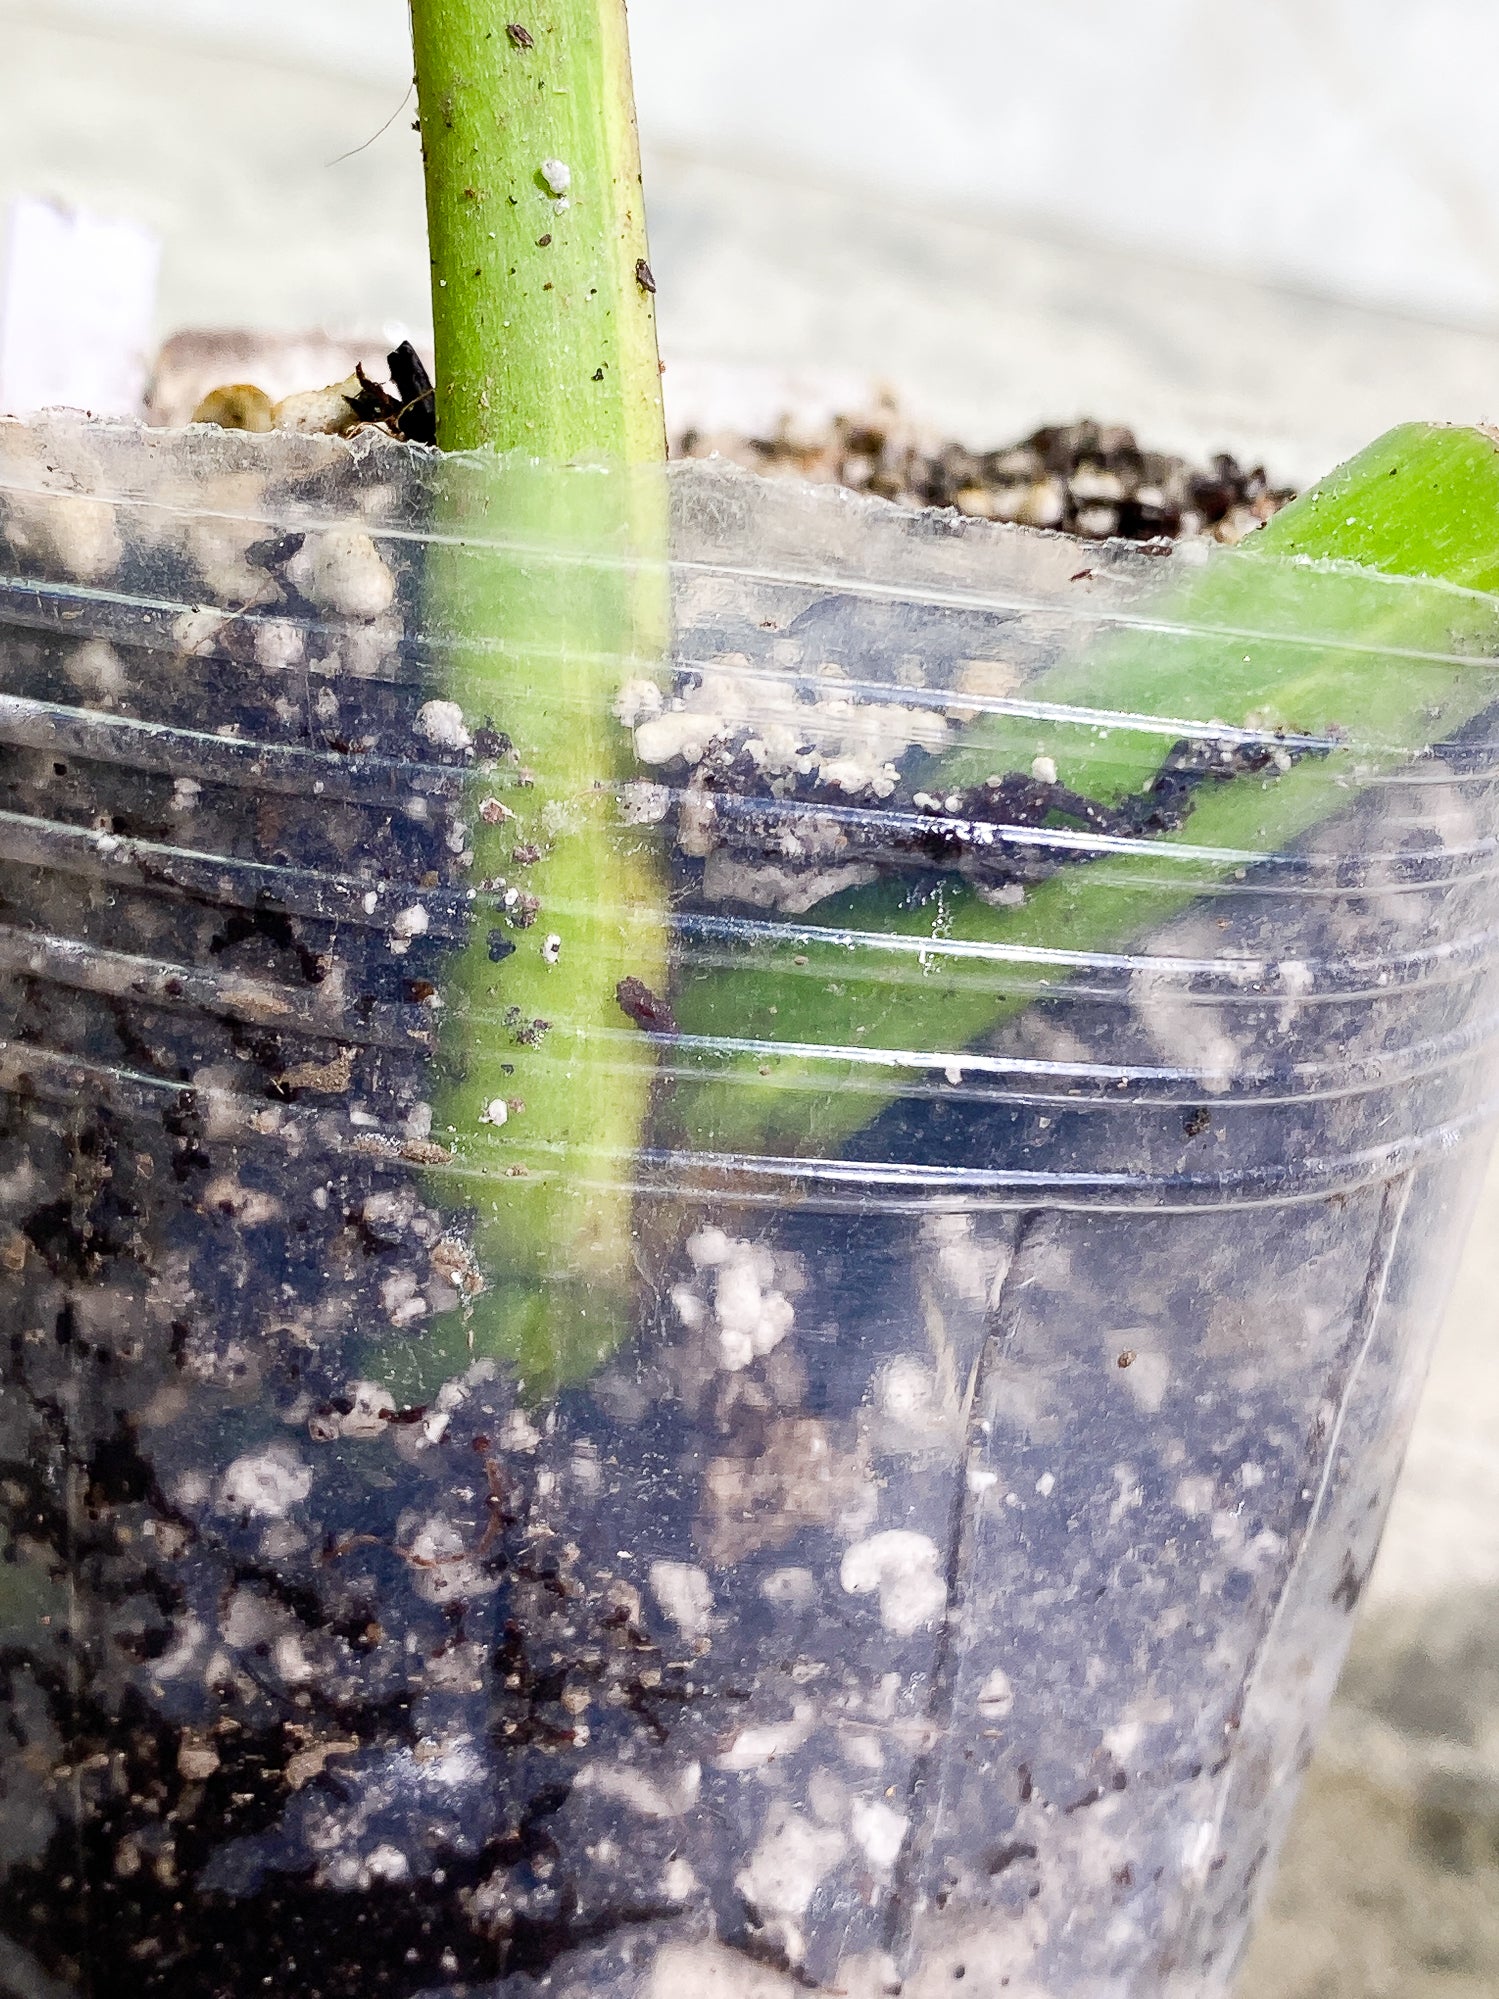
[[1089, 479]]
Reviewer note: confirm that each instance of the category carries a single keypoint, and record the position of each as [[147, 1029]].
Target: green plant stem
[[874, 978], [546, 347], [546, 338]]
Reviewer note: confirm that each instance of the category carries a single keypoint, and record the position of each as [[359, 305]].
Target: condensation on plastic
[[1349, 966], [1003, 1437]]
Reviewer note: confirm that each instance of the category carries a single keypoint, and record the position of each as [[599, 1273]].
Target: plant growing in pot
[[720, 1202]]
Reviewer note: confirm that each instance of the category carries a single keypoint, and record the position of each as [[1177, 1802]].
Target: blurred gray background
[[1270, 228]]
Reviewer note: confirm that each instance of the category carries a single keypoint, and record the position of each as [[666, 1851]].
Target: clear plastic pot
[[839, 1455]]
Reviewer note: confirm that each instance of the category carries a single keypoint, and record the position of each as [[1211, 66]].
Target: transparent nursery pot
[[692, 1305]]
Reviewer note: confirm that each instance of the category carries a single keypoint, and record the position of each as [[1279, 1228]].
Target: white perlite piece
[[251, 1207], [751, 1316], [327, 412], [371, 1410], [442, 723], [910, 1400], [79, 535], [785, 1869], [341, 571], [906, 1570], [1195, 1495], [756, 1747], [713, 1971], [880, 1831], [1044, 770], [388, 1863], [685, 1596], [791, 890], [1188, 1033], [267, 1483], [678, 1883], [408, 923], [197, 1763], [1147, 1377], [852, 741], [442, 1566], [519, 1433], [97, 669], [654, 1797], [1011, 895], [401, 1299]]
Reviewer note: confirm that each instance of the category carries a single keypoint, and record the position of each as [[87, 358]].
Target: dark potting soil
[[1087, 479], [906, 1586]]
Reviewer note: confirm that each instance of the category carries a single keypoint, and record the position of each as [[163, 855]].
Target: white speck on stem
[[496, 1111], [1044, 770], [558, 175], [551, 950]]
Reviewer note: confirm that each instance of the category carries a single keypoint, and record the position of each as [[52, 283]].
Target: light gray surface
[[1442, 1543], [234, 160], [1345, 144], [983, 328], [988, 330], [369, 39]]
